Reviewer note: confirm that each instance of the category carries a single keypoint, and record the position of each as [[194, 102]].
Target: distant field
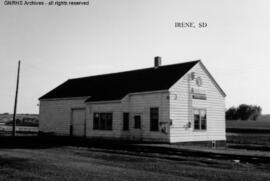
[[262, 123], [254, 139], [249, 132], [20, 130]]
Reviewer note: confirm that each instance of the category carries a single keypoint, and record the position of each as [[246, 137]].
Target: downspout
[[189, 99]]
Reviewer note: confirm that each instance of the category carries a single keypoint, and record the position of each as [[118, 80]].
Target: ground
[[62, 159]]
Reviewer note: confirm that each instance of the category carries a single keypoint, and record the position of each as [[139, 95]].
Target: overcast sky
[[58, 43]]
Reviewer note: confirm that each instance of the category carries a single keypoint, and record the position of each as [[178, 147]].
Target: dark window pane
[[109, 116], [96, 121], [196, 121], [125, 121], [109, 125], [203, 119], [203, 124], [102, 121], [154, 119], [137, 120], [197, 124], [109, 121]]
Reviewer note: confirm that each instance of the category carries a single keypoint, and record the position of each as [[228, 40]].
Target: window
[[199, 116], [154, 119], [137, 122], [102, 121], [125, 121]]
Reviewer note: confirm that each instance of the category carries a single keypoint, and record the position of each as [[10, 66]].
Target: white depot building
[[171, 103]]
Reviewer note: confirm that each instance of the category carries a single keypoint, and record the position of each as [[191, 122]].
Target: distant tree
[[255, 112], [231, 114], [244, 112]]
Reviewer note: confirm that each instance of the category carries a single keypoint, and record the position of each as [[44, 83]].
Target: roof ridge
[[133, 70]]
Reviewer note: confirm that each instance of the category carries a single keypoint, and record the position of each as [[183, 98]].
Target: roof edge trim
[[214, 81], [103, 102], [147, 92], [64, 98], [129, 94]]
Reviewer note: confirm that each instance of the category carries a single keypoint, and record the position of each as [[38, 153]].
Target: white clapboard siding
[[214, 105], [55, 115], [142, 104], [103, 107], [134, 104]]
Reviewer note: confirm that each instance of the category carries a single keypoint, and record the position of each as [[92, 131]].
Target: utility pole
[[16, 98]]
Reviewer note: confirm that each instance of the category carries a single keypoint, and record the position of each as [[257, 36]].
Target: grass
[[39, 159], [82, 164], [34, 158]]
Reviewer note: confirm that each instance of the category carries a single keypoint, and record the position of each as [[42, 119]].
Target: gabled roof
[[213, 80], [116, 85]]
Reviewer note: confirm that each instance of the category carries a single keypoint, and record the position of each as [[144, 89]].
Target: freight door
[[78, 126]]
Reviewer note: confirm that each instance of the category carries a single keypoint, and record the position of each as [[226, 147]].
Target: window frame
[[107, 125], [200, 119], [154, 129]]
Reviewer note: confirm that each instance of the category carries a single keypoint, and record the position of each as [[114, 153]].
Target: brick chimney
[[157, 62]]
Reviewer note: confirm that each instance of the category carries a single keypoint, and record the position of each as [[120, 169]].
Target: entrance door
[[78, 122]]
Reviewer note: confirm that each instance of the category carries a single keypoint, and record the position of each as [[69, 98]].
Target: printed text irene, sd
[[190, 25]]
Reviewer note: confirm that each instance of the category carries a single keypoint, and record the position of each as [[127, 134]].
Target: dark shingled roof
[[116, 85]]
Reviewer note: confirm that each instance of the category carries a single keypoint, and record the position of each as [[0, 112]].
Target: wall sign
[[198, 93], [199, 96], [199, 81]]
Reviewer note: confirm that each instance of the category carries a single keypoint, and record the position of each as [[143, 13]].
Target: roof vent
[[157, 61]]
